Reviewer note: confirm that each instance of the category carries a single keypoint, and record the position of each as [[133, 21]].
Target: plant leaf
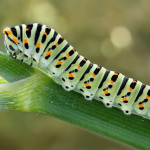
[[32, 90]]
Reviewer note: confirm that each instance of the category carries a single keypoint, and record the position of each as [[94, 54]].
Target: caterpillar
[[38, 44]]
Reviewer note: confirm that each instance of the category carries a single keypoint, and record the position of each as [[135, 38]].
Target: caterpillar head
[[10, 40]]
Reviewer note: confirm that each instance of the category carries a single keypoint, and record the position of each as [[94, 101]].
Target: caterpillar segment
[[89, 81], [71, 76], [37, 44], [108, 87], [142, 102], [51, 50], [127, 96], [61, 61]]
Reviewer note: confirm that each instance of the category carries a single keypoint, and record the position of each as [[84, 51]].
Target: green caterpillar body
[[41, 45]]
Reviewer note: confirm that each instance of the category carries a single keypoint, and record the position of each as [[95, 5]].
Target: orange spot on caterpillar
[[141, 105], [124, 99], [70, 75], [147, 96], [37, 45], [94, 75], [56, 44], [133, 81], [15, 40], [111, 82], [25, 41], [67, 55], [27, 29], [87, 84], [79, 66], [8, 32], [48, 53], [98, 67], [73, 50], [84, 59], [116, 74], [106, 92], [59, 62], [130, 89], [45, 33]]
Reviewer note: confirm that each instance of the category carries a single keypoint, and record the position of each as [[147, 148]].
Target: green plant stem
[[31, 90]]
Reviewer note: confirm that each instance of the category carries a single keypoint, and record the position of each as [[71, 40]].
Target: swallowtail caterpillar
[[41, 45]]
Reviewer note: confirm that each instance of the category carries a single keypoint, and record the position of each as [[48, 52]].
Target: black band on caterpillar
[[122, 85], [104, 78]]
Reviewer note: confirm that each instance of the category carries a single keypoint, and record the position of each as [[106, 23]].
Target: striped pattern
[[41, 45]]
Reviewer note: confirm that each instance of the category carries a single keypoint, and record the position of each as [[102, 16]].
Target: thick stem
[[34, 91]]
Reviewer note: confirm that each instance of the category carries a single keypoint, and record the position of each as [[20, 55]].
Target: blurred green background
[[114, 34]]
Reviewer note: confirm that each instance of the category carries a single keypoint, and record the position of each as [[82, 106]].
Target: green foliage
[[31, 90]]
